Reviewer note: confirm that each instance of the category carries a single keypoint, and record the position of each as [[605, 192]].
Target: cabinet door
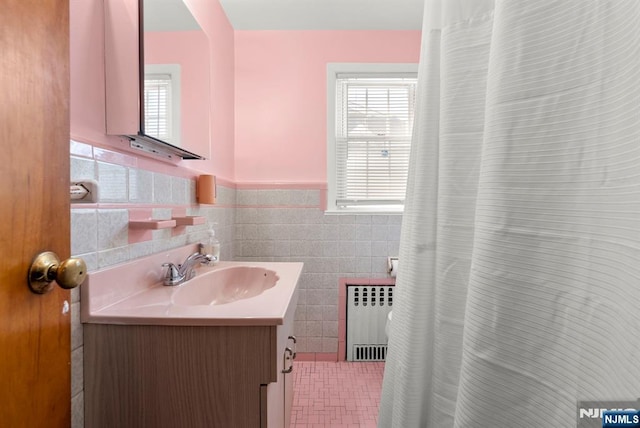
[[280, 393], [276, 391], [288, 398], [288, 384]]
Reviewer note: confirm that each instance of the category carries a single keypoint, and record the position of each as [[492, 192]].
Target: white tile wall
[[100, 235], [140, 186], [260, 225], [331, 247], [113, 182]]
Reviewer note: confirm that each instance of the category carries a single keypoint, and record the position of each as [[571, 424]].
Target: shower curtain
[[518, 292]]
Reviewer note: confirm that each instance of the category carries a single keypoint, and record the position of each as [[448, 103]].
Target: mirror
[[174, 98]]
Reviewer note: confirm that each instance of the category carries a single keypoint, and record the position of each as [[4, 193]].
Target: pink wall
[[268, 91], [280, 105], [87, 84], [190, 49], [214, 22]]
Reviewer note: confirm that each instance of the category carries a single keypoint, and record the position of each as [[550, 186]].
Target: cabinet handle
[[288, 356], [295, 341]]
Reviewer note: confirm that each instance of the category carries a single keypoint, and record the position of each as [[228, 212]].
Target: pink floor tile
[[336, 394]]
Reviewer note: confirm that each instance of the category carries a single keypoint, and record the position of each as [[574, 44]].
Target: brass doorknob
[[47, 267]]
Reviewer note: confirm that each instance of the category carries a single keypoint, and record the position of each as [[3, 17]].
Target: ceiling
[[168, 15], [324, 14]]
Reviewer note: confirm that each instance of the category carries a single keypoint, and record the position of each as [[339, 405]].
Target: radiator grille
[[369, 352], [367, 310]]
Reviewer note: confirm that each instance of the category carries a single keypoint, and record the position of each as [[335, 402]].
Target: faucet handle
[[172, 277]]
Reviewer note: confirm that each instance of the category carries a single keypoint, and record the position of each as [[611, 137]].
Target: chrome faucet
[[183, 272]]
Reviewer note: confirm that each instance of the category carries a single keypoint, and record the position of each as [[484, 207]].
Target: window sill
[[378, 210]]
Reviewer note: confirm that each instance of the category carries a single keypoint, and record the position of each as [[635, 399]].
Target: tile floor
[[336, 394]]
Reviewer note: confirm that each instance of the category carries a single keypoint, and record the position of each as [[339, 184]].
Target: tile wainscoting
[[253, 223], [290, 225], [100, 231]]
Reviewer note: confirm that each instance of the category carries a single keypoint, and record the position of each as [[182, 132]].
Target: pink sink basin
[[227, 294], [224, 286]]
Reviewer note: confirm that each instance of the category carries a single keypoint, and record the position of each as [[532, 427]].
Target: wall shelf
[[151, 224], [189, 220]]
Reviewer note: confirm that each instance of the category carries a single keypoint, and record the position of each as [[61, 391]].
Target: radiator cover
[[367, 310]]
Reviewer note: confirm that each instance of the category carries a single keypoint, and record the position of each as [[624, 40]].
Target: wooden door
[[34, 211]]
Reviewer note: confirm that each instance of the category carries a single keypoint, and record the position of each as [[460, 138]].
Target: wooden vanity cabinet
[[157, 376], [277, 397]]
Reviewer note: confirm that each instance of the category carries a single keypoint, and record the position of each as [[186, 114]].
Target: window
[[162, 102], [157, 103], [371, 108]]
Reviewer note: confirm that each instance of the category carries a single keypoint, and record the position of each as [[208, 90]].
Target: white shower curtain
[[518, 293]]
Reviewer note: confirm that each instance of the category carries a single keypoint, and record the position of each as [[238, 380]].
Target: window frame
[[174, 71], [333, 71]]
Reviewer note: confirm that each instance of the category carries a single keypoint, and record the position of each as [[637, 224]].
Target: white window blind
[[158, 106], [374, 121]]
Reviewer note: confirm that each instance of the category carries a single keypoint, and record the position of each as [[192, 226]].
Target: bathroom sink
[[224, 285], [229, 293]]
